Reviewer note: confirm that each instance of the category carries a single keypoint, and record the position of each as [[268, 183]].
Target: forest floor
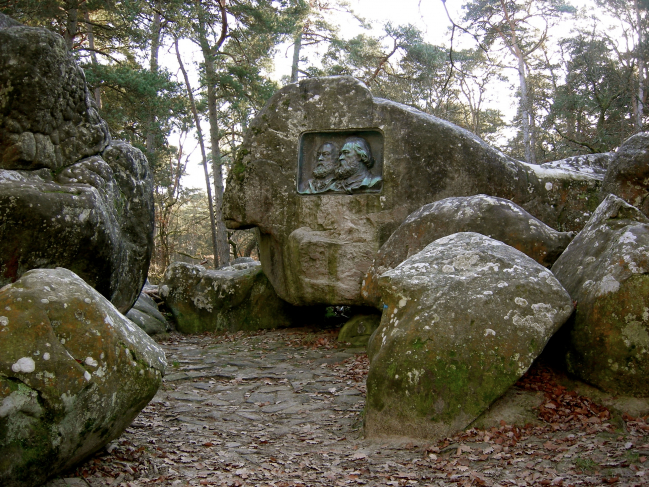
[[284, 408]]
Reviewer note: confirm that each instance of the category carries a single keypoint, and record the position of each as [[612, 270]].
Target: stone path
[[284, 408]]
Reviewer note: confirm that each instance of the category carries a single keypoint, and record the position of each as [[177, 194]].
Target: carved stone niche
[[344, 162]]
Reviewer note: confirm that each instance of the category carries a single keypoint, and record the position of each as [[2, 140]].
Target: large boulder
[[233, 298], [146, 315], [606, 271], [464, 320], [628, 172], [68, 196], [594, 164], [327, 172], [494, 217], [74, 373], [358, 330]]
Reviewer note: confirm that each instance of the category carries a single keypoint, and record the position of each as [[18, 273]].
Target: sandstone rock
[[318, 239], [6, 21], [594, 164], [146, 315], [233, 298], [74, 373], [146, 322], [628, 173], [68, 196], [47, 117], [494, 217], [146, 304], [464, 320], [606, 271], [357, 331]]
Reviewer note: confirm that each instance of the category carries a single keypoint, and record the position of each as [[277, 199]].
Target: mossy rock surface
[[74, 373], [494, 217], [606, 271], [317, 248], [233, 298], [628, 172], [357, 331], [464, 320], [69, 196]]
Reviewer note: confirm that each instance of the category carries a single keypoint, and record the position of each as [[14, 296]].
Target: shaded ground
[[284, 408]]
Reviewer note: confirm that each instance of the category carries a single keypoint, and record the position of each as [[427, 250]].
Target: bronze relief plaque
[[344, 162]]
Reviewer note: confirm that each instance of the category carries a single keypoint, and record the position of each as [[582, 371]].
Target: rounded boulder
[[464, 319], [74, 373], [494, 217], [606, 271]]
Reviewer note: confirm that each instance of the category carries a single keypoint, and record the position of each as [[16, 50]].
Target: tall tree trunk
[[525, 108], [72, 24], [156, 34], [641, 70], [526, 112], [201, 142], [297, 46], [93, 54], [217, 173]]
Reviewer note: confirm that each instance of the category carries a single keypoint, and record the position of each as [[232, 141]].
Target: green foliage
[[517, 31], [111, 22], [401, 66], [590, 111], [131, 95], [586, 464]]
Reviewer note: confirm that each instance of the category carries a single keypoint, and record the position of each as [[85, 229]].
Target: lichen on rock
[[606, 271], [74, 373], [464, 319], [69, 196], [488, 215], [235, 297]]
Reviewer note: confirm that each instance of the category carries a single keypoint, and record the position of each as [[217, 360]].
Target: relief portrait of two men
[[344, 170]]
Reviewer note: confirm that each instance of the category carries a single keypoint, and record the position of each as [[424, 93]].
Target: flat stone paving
[[284, 408]]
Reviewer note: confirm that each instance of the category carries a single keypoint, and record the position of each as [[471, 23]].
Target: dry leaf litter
[[285, 408]]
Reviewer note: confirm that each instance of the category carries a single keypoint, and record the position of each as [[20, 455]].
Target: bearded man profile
[[355, 161], [323, 173]]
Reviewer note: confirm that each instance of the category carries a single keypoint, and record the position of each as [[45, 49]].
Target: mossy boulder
[[69, 197], [317, 248], [358, 329], [74, 373], [606, 271], [628, 172], [233, 298], [494, 217], [464, 320], [146, 315]]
